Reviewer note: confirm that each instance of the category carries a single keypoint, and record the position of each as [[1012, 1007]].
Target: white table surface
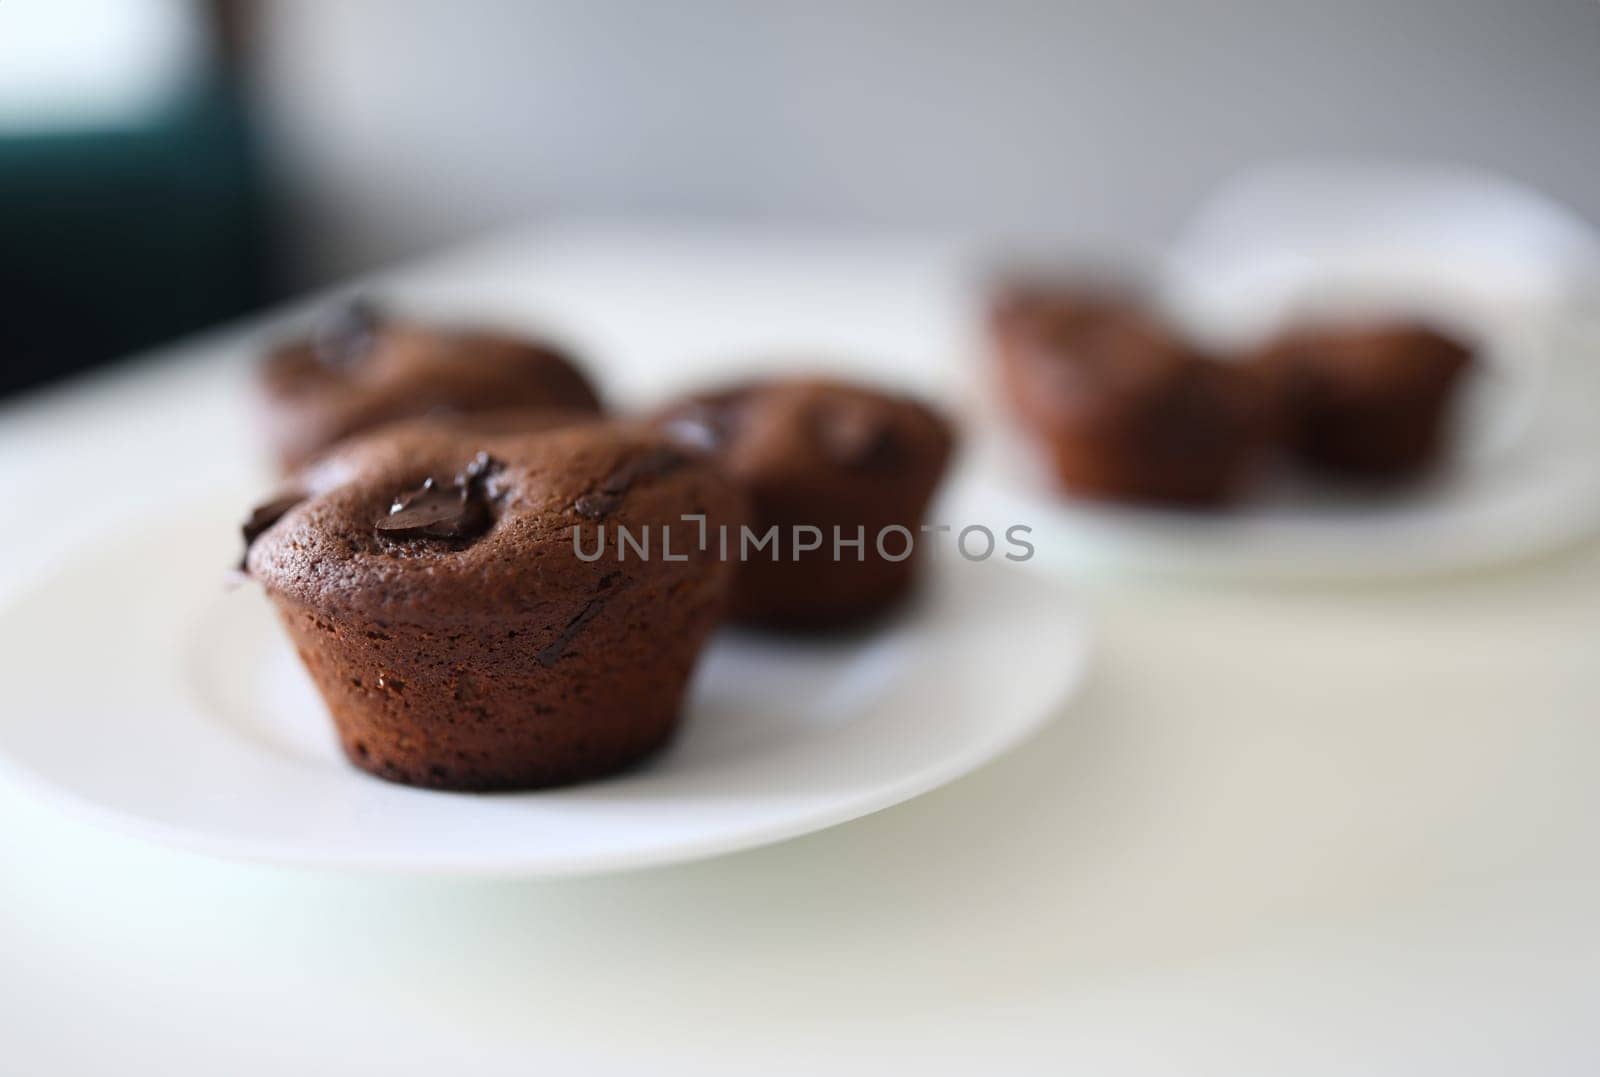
[[1288, 830]]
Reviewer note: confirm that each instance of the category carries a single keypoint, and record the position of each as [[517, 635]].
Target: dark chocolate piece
[[595, 506], [459, 510], [650, 464], [264, 516], [481, 467], [552, 652]]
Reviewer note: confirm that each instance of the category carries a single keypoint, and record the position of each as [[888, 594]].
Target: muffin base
[[1393, 440], [546, 701], [819, 595], [1086, 468]]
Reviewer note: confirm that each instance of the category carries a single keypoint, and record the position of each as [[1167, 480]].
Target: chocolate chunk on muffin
[[360, 370], [461, 634], [1368, 401], [843, 459]]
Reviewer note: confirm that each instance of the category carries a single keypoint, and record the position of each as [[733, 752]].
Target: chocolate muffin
[[498, 423], [843, 459], [461, 634], [360, 370], [1368, 401], [1020, 309], [1128, 411]]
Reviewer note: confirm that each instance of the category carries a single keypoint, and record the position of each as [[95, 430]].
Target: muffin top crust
[[1372, 359], [814, 432], [425, 523], [1018, 305], [1115, 366], [360, 370]]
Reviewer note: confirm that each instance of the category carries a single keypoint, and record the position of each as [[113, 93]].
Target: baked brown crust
[[344, 457], [498, 659], [825, 454], [1126, 409], [315, 393], [1368, 401], [1020, 311]]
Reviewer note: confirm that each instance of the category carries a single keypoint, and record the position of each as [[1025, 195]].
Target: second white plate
[[1510, 490]]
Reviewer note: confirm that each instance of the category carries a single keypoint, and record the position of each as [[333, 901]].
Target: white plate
[[1458, 245], [1493, 503], [1512, 270], [145, 693]]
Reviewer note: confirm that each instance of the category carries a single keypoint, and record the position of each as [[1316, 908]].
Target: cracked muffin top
[[818, 434], [425, 523], [360, 370]]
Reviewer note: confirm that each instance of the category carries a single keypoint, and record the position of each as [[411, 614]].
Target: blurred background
[[169, 164]]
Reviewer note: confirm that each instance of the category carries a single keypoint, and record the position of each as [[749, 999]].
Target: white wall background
[[406, 123]]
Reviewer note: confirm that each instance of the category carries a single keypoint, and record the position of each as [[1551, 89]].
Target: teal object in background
[[113, 240]]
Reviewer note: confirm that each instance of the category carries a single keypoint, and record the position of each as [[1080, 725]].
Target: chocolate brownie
[[828, 455], [1368, 401], [431, 582], [360, 370]]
